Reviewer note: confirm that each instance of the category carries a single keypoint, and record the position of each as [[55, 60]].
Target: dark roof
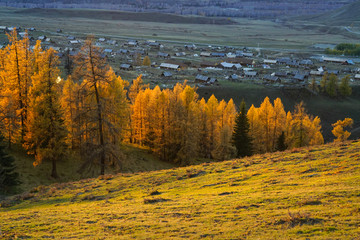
[[166, 74], [125, 66], [281, 74], [202, 78], [216, 54], [299, 77], [271, 78]]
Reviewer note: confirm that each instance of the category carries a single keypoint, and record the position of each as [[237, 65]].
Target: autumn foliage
[[94, 111]]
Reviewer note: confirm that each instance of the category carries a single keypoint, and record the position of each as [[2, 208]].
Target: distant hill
[[213, 8], [348, 15], [309, 193]]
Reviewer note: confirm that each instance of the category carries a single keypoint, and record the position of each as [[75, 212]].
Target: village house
[[163, 55], [207, 64], [111, 42], [180, 54], [233, 77], [166, 74], [250, 74], [201, 78], [190, 47], [271, 78], [217, 54], [306, 62], [102, 39], [71, 38], [42, 38], [269, 61], [357, 76], [242, 61], [281, 74], [170, 66], [126, 66], [205, 54], [74, 42], [132, 43], [316, 73], [233, 66], [3, 29], [300, 77]]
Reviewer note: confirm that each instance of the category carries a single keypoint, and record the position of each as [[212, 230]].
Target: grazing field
[[303, 193], [253, 33]]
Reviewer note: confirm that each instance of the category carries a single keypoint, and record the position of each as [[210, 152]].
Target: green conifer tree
[[241, 138], [280, 144], [8, 176]]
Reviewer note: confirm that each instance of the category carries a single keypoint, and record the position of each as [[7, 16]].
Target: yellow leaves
[[338, 129]]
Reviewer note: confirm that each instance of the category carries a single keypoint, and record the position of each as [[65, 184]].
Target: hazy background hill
[[344, 16], [224, 8]]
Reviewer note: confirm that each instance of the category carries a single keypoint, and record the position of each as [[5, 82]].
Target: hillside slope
[[304, 193], [344, 16]]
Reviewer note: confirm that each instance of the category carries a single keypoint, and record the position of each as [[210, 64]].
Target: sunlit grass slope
[[304, 193]]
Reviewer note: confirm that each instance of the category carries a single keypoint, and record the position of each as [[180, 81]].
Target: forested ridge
[[228, 8], [94, 111]]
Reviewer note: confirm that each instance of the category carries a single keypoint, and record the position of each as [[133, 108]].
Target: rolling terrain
[[303, 193]]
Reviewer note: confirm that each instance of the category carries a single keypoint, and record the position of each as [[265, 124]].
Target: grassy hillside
[[344, 16], [304, 193], [134, 159]]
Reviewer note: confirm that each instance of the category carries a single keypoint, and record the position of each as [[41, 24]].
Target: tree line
[[94, 111]]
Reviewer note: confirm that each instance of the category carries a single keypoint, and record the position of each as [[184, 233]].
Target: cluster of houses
[[202, 64]]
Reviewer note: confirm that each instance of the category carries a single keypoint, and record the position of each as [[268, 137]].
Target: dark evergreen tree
[[8, 176], [241, 138], [280, 144]]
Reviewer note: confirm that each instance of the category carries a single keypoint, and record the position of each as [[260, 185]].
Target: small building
[[166, 74], [270, 78], [201, 78], [59, 30], [102, 39], [111, 42], [242, 61], [357, 76], [233, 77], [42, 38], [163, 55], [348, 62], [217, 54], [207, 64], [269, 61], [316, 73], [281, 74], [306, 62], [212, 81], [23, 34], [300, 77], [226, 65], [108, 50], [335, 72], [250, 74], [3, 29], [190, 46], [180, 54], [170, 66], [132, 43], [74, 42], [122, 51], [154, 44], [126, 66], [333, 59], [205, 54], [71, 38], [248, 54]]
